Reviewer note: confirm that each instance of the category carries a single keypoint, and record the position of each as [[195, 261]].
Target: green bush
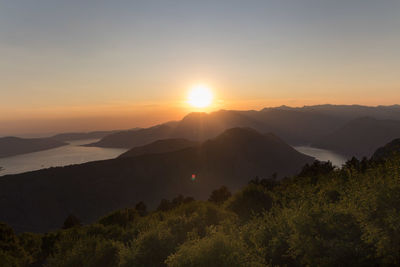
[[216, 249], [252, 200], [88, 252]]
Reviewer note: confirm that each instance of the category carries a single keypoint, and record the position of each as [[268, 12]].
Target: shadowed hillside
[[160, 146], [92, 189], [82, 136], [324, 216], [361, 137], [12, 146], [387, 151], [195, 126], [296, 126], [133, 138]]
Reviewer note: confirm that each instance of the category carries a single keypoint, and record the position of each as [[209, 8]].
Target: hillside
[[321, 217], [82, 136], [12, 146], [194, 126], [296, 126], [387, 151], [92, 189], [349, 112], [160, 146], [360, 137], [133, 138]]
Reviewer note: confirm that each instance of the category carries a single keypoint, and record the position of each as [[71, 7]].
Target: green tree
[[71, 221], [220, 195], [141, 208], [253, 199], [216, 249]]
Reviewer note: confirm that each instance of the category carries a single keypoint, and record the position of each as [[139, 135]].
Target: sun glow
[[200, 96]]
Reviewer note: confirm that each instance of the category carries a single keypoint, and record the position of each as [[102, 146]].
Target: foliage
[[215, 249], [252, 200], [324, 216], [71, 221], [219, 196]]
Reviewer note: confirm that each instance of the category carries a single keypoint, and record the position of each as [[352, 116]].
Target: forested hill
[[12, 146], [40, 200], [322, 217]]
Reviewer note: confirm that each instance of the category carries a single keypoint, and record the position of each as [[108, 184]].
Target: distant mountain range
[[349, 130], [360, 137], [12, 146], [160, 146], [337, 128], [82, 136], [41, 200]]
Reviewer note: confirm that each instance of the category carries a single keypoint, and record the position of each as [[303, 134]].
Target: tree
[[141, 208], [220, 195], [317, 168], [164, 205], [71, 221], [253, 199]]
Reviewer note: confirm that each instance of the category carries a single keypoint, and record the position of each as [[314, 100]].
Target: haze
[[88, 65]]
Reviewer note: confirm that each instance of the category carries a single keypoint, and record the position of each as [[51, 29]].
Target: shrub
[[253, 199], [220, 195]]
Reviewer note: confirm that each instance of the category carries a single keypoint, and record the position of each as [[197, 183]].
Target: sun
[[200, 96]]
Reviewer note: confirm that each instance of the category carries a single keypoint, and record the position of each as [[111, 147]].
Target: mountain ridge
[[93, 189]]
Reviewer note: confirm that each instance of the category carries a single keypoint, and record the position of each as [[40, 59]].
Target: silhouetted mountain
[[296, 126], [195, 126], [12, 146], [388, 150], [93, 189], [160, 146], [82, 136], [361, 137], [350, 112], [133, 138], [202, 126]]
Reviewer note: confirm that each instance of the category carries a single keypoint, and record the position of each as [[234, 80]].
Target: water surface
[[322, 155], [60, 156]]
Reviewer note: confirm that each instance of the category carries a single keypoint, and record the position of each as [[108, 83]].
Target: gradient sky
[[83, 65]]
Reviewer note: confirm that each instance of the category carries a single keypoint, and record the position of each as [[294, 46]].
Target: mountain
[[361, 137], [160, 146], [201, 126], [196, 126], [41, 200], [12, 146], [349, 112], [82, 136], [133, 138], [297, 126], [387, 150]]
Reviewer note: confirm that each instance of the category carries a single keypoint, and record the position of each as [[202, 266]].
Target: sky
[[93, 65]]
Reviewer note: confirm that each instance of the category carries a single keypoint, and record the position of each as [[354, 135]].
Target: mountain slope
[[361, 137], [160, 146], [194, 126], [41, 200], [82, 136], [12, 146], [133, 138], [297, 126], [387, 150]]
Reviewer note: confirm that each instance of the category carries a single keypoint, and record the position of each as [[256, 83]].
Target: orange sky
[[72, 66]]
